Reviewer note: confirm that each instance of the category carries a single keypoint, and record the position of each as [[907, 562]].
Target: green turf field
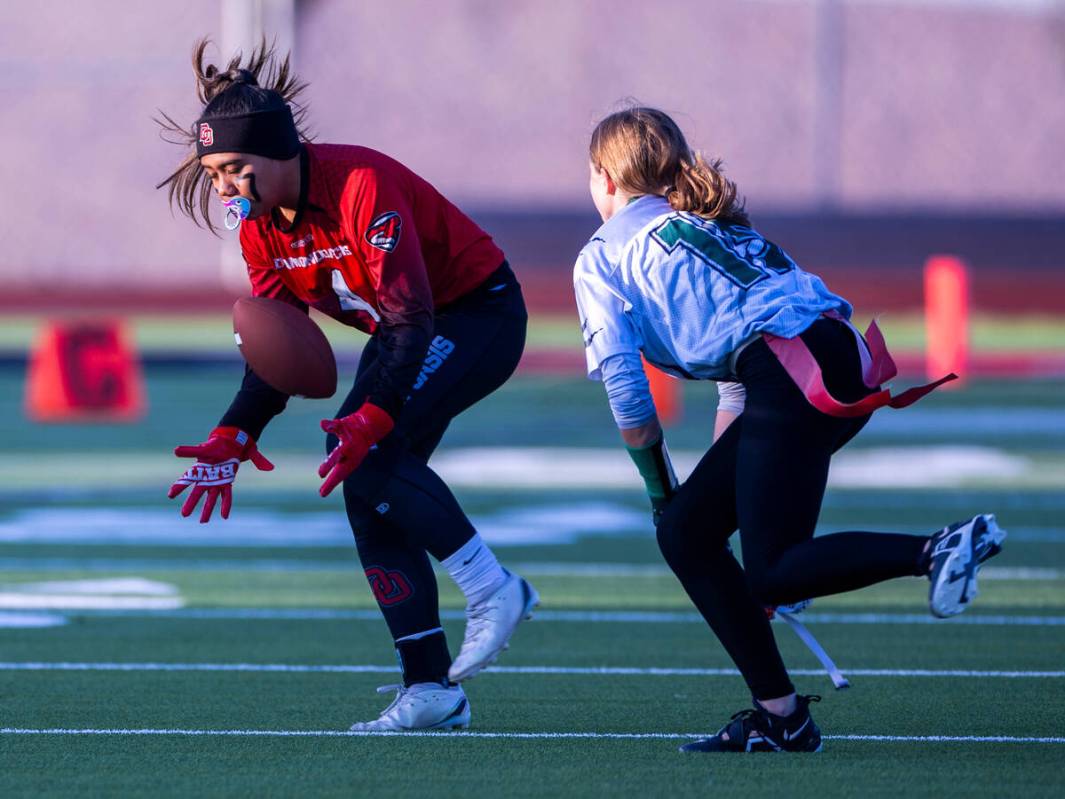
[[229, 660], [213, 332]]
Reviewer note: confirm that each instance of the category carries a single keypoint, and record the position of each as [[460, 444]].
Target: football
[[284, 346]]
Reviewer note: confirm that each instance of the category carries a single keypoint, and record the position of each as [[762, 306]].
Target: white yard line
[[596, 616], [516, 735], [37, 601], [300, 668], [286, 565], [593, 569], [30, 620], [940, 466]]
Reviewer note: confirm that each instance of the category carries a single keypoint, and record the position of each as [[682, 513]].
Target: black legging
[[766, 476], [399, 508]]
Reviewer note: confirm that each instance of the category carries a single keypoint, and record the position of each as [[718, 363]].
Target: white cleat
[[422, 706], [489, 625], [957, 552]]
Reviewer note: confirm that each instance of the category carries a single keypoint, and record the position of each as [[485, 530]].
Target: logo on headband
[[383, 232], [206, 135]]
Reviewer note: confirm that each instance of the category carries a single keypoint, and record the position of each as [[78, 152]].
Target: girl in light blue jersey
[[677, 274]]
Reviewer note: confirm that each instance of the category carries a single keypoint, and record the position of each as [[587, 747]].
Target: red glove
[[217, 460], [357, 433]]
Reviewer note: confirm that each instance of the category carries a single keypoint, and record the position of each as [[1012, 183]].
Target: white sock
[[475, 570]]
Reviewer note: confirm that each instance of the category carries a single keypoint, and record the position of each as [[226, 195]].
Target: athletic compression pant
[[766, 477], [399, 508]]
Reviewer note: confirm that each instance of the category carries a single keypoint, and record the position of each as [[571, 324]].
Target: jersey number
[[349, 300], [742, 256]]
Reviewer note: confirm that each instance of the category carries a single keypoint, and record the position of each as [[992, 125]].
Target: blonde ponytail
[[644, 152], [702, 189]]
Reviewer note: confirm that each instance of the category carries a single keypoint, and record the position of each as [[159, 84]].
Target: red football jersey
[[371, 242]]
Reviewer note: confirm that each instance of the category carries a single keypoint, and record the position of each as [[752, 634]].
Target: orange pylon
[[665, 391], [84, 371], [946, 297]]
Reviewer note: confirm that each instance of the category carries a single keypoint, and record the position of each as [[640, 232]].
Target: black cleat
[[758, 730], [956, 553]]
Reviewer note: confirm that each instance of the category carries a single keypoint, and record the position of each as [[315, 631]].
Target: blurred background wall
[[861, 131]]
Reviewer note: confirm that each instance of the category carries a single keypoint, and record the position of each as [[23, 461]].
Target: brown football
[[284, 346]]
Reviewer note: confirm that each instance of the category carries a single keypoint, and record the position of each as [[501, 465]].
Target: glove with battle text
[[217, 461], [358, 432]]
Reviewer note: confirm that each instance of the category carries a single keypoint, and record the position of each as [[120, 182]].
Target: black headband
[[271, 134]]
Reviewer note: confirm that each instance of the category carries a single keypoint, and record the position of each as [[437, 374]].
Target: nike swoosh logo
[[793, 735]]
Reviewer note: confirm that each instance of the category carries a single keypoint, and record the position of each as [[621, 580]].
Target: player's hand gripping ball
[[358, 432], [217, 461], [284, 347]]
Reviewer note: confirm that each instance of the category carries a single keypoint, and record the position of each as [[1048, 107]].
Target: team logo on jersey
[[383, 232], [206, 134]]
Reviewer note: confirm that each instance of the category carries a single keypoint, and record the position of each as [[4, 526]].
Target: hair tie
[[241, 76]]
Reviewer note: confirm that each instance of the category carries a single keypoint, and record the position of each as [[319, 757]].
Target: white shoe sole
[[954, 583], [532, 600], [457, 719], [444, 726]]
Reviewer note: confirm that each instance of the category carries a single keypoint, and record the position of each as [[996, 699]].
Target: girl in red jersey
[[360, 237]]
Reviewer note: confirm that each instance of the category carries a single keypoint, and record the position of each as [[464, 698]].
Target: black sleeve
[[396, 267], [402, 348], [254, 406]]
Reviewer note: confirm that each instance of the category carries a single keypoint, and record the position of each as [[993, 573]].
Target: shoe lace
[[752, 719], [403, 694], [740, 725], [744, 715]]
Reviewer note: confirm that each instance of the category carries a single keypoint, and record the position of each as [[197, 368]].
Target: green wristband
[[656, 469]]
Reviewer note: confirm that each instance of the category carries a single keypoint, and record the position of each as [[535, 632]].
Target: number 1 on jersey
[[349, 300], [719, 249]]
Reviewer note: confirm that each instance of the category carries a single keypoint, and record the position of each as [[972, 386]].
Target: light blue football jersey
[[687, 292]]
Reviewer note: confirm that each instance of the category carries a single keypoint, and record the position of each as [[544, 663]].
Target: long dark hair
[[238, 89]]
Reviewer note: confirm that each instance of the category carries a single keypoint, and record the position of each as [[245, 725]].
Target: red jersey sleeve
[[383, 230], [265, 280]]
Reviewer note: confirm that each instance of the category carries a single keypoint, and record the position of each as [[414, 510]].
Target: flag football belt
[[789, 613], [877, 368]]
